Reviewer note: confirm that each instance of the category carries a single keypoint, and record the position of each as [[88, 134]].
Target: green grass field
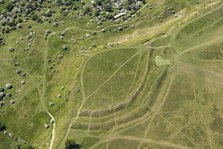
[[157, 85]]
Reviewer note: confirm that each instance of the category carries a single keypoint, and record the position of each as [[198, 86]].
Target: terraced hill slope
[[149, 80]]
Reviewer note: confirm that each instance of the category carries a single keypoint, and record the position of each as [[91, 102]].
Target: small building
[[120, 15]]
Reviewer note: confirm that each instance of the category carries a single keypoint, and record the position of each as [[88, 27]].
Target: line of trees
[[71, 144]]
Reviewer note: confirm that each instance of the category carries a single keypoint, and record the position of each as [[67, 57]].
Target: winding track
[[44, 88], [84, 98], [43, 95]]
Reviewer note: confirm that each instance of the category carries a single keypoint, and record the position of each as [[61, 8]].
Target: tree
[[74, 7], [130, 2], [9, 7], [109, 16], [11, 23], [20, 20], [98, 2], [108, 8], [48, 13], [2, 2], [23, 146], [39, 20], [2, 127], [96, 13], [71, 144], [86, 10], [34, 17]]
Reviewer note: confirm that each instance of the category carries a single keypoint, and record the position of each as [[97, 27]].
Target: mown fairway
[[153, 82]]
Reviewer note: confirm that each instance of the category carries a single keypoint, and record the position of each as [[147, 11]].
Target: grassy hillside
[[149, 79]]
